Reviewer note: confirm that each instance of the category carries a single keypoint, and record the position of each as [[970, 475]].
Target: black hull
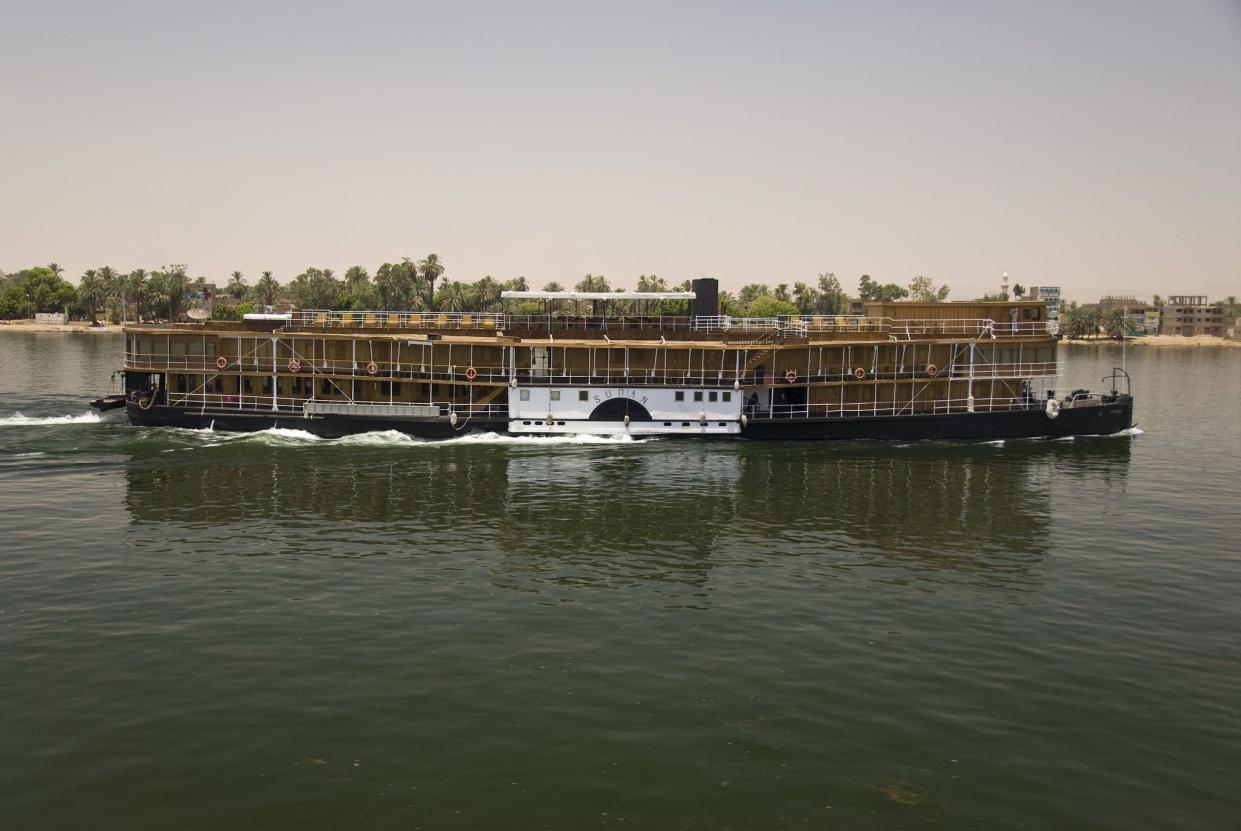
[[1096, 420], [328, 426], [1101, 419]]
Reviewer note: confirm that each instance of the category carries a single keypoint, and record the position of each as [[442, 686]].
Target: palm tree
[[237, 285], [55, 268], [93, 293], [177, 284], [432, 269], [137, 289], [652, 283], [355, 278], [453, 297], [267, 288], [114, 288]]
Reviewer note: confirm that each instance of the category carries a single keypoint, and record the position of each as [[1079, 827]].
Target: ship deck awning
[[597, 295]]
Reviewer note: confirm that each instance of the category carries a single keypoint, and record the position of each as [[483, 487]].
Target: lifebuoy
[[1053, 408], [790, 376], [932, 370], [221, 362], [372, 368], [471, 373], [859, 373], [295, 365]]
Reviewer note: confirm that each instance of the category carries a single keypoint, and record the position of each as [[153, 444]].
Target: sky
[[1091, 144]]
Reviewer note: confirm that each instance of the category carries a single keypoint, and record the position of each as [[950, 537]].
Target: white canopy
[[597, 295]]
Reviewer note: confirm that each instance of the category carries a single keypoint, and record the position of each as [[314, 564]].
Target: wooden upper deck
[[883, 322]]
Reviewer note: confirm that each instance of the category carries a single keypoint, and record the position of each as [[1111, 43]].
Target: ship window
[[561, 423], [246, 385], [583, 395], [722, 424], [713, 396], [680, 395], [555, 395], [698, 395], [267, 385], [667, 423], [526, 423], [524, 395], [324, 389], [684, 423], [728, 396]]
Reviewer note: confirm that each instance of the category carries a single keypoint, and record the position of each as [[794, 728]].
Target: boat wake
[[19, 420], [542, 441], [284, 437]]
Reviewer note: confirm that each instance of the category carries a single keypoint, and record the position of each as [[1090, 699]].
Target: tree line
[[408, 285]]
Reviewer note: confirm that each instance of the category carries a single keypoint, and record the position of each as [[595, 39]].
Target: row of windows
[[584, 395], [711, 396]]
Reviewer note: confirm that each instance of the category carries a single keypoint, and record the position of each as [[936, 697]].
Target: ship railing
[[415, 369], [898, 408], [246, 402], [797, 325], [252, 402]]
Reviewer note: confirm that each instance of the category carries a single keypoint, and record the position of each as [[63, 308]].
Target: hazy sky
[[1095, 145]]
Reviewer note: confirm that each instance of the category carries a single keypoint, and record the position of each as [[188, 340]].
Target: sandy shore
[[76, 326], [1163, 340]]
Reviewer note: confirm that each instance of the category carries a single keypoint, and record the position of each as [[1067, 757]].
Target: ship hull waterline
[[1093, 419]]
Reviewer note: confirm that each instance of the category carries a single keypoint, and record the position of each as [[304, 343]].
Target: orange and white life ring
[[790, 376], [932, 370], [221, 362], [295, 365], [859, 373], [471, 373], [372, 368]]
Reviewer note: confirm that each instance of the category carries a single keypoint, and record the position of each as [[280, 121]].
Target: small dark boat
[[108, 402]]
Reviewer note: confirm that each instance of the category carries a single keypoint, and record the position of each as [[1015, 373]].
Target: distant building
[[1050, 295], [1151, 322], [1234, 331], [1191, 314], [1144, 316], [1112, 302]]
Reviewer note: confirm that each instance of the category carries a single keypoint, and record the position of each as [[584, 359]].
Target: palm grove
[[408, 285]]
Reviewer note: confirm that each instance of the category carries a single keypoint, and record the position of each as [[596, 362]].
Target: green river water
[[210, 631]]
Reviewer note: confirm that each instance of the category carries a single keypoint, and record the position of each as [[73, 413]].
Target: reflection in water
[[619, 515]]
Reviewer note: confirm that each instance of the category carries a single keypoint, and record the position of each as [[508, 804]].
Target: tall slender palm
[[267, 288], [178, 286], [237, 285], [355, 278], [432, 269], [56, 269], [137, 290], [93, 293], [114, 288]]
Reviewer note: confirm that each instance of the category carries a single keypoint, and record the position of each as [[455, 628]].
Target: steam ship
[[962, 370]]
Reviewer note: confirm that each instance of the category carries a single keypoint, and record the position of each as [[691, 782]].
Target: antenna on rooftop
[[1004, 284]]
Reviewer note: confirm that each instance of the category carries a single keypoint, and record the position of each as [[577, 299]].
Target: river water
[[202, 630]]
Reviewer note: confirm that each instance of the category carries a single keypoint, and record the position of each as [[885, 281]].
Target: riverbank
[[75, 326], [1199, 341]]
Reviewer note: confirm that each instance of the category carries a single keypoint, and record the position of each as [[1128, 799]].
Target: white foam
[[382, 438], [19, 420], [995, 442], [1130, 431], [542, 441], [282, 436]]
